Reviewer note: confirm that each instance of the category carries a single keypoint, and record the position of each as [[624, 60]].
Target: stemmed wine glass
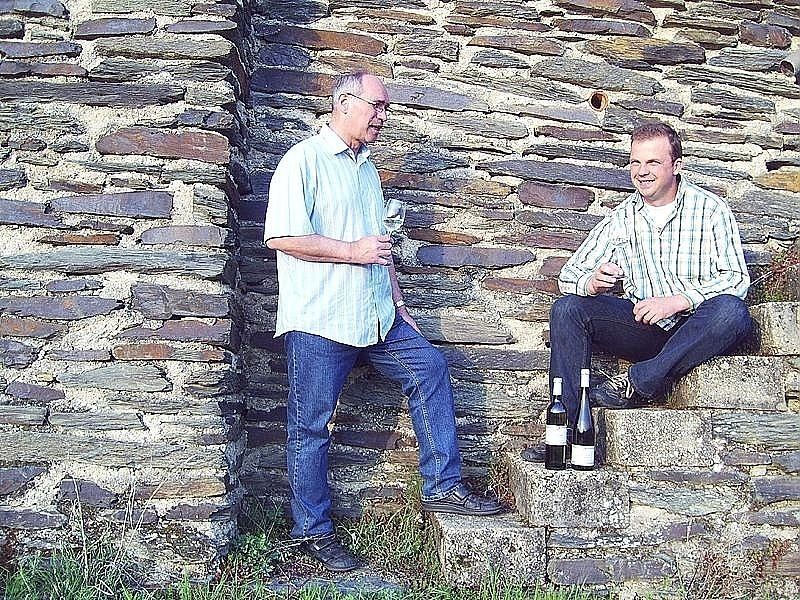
[[394, 212]]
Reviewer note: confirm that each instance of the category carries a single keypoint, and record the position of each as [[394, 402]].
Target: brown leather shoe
[[331, 553], [461, 501]]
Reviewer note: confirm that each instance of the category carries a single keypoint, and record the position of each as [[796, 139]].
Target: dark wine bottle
[[583, 444], [555, 436]]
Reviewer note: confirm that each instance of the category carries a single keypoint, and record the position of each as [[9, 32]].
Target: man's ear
[[343, 103], [676, 166]]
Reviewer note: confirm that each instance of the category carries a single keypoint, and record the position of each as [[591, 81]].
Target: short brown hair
[[654, 129]]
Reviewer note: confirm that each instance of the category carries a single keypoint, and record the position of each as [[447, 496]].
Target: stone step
[[655, 437], [472, 549], [778, 325], [569, 498], [733, 382]]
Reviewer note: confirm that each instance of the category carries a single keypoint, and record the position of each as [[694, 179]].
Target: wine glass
[[394, 212], [618, 244]]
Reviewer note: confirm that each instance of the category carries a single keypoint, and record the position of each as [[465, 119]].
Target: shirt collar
[[336, 145]]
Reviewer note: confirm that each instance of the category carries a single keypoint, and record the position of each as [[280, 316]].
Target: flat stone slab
[[18, 447], [764, 431], [611, 568], [779, 327], [689, 501], [657, 438], [743, 382], [471, 549], [569, 498]]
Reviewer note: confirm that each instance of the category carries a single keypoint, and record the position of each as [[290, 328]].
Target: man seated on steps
[[676, 250], [339, 301]]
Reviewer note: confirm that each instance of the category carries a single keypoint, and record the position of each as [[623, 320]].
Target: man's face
[[653, 172], [364, 119]]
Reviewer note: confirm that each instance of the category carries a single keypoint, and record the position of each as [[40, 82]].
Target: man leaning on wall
[[676, 250], [339, 300]]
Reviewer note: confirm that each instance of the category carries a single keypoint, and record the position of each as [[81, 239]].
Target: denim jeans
[[580, 324], [318, 368]]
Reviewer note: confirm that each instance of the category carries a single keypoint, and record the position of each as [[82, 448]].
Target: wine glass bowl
[[394, 213]]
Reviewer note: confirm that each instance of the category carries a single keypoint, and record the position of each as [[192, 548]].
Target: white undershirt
[[659, 214]]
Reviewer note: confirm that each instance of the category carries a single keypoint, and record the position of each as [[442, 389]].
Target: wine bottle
[[583, 445], [555, 436]]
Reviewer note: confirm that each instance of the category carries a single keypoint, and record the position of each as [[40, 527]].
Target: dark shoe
[[534, 454], [616, 392], [461, 501], [331, 553]]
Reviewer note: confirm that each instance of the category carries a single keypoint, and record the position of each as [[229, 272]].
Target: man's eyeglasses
[[379, 105]]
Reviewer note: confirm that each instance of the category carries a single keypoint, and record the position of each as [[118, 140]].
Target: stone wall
[[508, 138], [120, 403]]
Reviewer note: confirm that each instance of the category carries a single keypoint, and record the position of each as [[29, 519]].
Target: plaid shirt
[[697, 253]]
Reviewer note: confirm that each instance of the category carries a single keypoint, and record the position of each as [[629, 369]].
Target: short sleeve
[[290, 198]]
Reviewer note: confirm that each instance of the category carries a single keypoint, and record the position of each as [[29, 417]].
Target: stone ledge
[[657, 438], [741, 382], [471, 549], [779, 327], [569, 498]]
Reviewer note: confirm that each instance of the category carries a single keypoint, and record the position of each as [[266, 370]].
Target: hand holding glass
[[617, 251], [394, 212]]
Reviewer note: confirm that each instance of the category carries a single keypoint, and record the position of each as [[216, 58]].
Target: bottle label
[[582, 455], [555, 435]]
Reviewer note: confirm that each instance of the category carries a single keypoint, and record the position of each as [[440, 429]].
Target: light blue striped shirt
[[697, 253], [321, 187]]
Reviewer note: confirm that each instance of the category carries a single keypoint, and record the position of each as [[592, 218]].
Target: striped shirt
[[697, 253], [321, 187]]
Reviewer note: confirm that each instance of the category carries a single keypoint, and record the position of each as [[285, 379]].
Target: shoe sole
[[341, 570], [456, 510]]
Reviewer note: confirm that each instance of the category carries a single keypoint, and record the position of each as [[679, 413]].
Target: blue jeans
[[318, 368], [580, 324]]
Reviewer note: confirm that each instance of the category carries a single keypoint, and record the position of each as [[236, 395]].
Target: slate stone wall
[[120, 399], [508, 138]]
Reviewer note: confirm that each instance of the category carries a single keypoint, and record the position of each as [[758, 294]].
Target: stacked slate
[[118, 327]]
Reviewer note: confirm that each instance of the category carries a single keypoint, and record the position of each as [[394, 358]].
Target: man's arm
[[588, 271], [397, 296], [372, 249]]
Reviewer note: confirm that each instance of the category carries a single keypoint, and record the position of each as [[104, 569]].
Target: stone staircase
[[699, 498]]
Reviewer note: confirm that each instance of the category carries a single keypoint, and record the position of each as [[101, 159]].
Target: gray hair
[[347, 83]]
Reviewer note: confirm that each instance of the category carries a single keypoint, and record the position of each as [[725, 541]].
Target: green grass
[[97, 571]]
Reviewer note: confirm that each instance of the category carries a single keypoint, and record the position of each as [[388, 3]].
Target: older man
[[339, 299], [676, 250]]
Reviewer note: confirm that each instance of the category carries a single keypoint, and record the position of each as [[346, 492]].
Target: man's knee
[[729, 314], [567, 307], [435, 364]]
